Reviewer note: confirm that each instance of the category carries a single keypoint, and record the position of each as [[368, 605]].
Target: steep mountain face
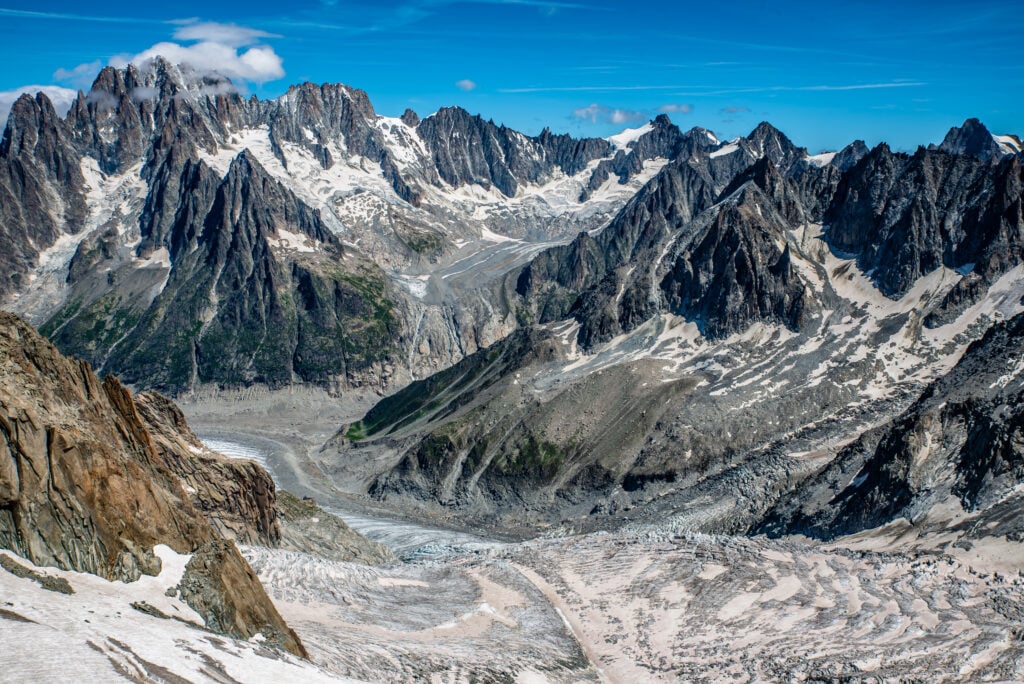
[[41, 188], [973, 139], [84, 487], [718, 258], [236, 496], [738, 270], [961, 441], [709, 347], [123, 235], [904, 216], [252, 292]]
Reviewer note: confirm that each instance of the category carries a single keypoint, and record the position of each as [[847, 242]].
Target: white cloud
[[595, 113], [589, 113], [465, 84], [143, 93], [62, 98], [256, 64], [676, 109], [232, 35], [623, 116], [80, 76], [228, 49]]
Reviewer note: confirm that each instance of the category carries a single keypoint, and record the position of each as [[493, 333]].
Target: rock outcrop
[[307, 528], [84, 486], [219, 584], [236, 495], [904, 216]]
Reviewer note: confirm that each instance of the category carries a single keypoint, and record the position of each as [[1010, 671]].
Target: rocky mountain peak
[[847, 157], [42, 192], [772, 185], [971, 138], [32, 118], [410, 118], [768, 141]]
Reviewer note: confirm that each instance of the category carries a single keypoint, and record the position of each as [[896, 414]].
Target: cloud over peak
[[231, 35], [228, 49]]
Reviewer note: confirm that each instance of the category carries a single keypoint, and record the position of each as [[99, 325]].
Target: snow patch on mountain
[[823, 159], [1009, 144], [724, 150], [623, 140]]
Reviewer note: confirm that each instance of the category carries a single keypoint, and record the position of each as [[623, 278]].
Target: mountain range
[[583, 331], [781, 389]]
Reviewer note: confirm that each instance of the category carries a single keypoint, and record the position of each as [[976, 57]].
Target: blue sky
[[824, 72]]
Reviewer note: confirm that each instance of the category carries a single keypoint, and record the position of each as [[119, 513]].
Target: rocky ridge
[[408, 223], [84, 487], [960, 441]]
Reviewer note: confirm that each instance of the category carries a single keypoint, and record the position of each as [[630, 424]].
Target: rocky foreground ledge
[[84, 486]]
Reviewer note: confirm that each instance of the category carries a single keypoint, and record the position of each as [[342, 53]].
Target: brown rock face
[[84, 486], [219, 584], [236, 496]]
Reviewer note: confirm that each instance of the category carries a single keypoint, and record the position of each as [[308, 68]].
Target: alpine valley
[[655, 407]]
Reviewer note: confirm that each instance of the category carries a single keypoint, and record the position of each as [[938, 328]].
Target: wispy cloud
[[814, 88], [675, 108], [734, 110], [591, 89], [232, 35], [465, 85], [595, 113], [80, 76], [67, 16], [382, 18], [690, 90], [542, 4]]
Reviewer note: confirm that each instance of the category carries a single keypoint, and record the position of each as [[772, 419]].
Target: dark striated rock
[[112, 123], [904, 216], [963, 438], [766, 141], [236, 307], [579, 279], [736, 274], [410, 118], [973, 139], [664, 140], [848, 157], [42, 190]]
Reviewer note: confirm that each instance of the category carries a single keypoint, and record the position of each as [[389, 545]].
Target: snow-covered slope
[[107, 631]]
